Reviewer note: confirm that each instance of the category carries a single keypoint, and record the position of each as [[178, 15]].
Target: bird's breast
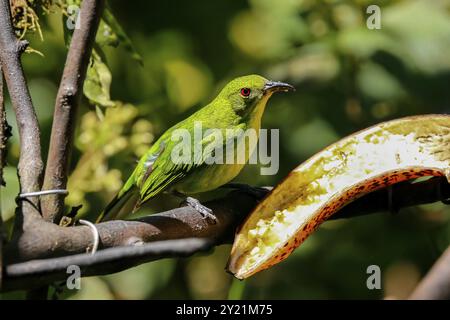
[[224, 167]]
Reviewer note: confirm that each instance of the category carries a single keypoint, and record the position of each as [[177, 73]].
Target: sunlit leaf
[[98, 81], [106, 36]]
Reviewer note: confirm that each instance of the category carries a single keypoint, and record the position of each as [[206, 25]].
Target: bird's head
[[247, 92]]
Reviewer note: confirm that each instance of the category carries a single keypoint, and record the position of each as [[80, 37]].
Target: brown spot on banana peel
[[363, 162]]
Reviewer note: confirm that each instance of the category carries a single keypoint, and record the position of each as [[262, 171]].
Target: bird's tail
[[113, 209]]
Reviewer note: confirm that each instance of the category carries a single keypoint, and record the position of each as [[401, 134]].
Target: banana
[[363, 162]]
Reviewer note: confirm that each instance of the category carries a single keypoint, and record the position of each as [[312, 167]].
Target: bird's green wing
[[164, 171], [156, 171]]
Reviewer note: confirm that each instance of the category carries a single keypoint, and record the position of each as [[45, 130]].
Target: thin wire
[[42, 193], [94, 233]]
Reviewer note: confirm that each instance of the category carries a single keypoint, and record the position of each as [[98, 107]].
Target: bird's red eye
[[245, 92]]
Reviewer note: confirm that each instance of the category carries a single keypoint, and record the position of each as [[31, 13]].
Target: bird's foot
[[203, 210], [257, 192]]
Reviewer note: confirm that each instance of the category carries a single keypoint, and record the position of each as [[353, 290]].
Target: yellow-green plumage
[[156, 172]]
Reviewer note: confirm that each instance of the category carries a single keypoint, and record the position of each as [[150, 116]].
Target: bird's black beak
[[273, 86]]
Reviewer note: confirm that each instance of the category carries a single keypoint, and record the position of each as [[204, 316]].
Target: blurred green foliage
[[157, 62]]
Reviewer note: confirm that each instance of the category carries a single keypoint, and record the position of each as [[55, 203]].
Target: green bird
[[238, 107]]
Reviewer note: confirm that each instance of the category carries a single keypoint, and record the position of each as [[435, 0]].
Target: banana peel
[[363, 162]]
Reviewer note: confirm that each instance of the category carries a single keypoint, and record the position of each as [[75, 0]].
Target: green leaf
[[98, 81], [121, 37], [106, 36]]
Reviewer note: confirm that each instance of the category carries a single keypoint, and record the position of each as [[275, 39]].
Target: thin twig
[[66, 106], [40, 272]]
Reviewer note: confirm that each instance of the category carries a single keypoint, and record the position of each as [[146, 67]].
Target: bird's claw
[[203, 210]]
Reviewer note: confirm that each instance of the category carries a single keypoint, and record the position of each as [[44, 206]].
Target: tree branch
[[46, 239], [400, 195], [66, 106], [3, 140], [30, 163], [50, 240], [436, 284], [41, 272]]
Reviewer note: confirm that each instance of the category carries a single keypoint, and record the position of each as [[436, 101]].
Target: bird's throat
[[253, 119]]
